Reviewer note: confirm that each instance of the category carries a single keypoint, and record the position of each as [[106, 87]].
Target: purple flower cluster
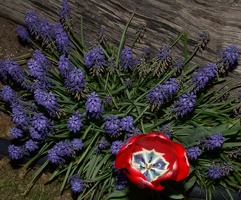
[[61, 39], [103, 144], [62, 150], [219, 170], [167, 130], [193, 153], [8, 94], [3, 71], [126, 59], [64, 66], [23, 33], [213, 141], [16, 132], [115, 146], [76, 183], [31, 145], [112, 125], [185, 104], [164, 53], [162, 92], [121, 180], [20, 115], [46, 30], [93, 106], [74, 122], [203, 76], [15, 152], [95, 59], [47, 100], [127, 124], [178, 63], [229, 57], [65, 11], [32, 22], [41, 127]]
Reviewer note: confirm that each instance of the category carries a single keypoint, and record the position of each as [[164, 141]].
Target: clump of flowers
[[105, 117]]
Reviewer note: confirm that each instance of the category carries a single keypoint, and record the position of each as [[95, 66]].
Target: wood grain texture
[[164, 20]]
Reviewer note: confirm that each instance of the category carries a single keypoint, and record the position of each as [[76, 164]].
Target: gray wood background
[[164, 20]]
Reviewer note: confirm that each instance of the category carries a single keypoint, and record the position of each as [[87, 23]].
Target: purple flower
[[37, 135], [93, 106], [47, 100], [102, 144], [74, 80], [8, 94], [121, 180], [54, 158], [115, 146], [178, 63], [20, 116], [23, 33], [64, 149], [32, 22], [74, 122], [3, 70], [61, 39], [214, 172], [15, 152], [112, 125], [127, 124], [64, 65], [46, 30], [213, 141], [77, 144], [185, 104], [167, 130], [76, 183], [164, 53], [31, 145], [16, 132], [193, 153], [202, 76], [126, 59], [15, 71], [65, 11], [204, 37], [163, 92], [95, 59], [229, 57], [42, 123]]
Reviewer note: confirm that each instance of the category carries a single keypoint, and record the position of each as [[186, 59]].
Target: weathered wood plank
[[163, 19]]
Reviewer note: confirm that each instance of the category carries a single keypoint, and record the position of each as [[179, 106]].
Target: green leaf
[[118, 195]]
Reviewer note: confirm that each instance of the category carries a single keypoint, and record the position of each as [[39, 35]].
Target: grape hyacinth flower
[[42, 123], [61, 39], [37, 135], [178, 63], [167, 130], [47, 100], [95, 60], [32, 22], [127, 124], [16, 132], [64, 149], [74, 80], [164, 53], [202, 76], [112, 125], [115, 146], [103, 144], [185, 104], [64, 66], [213, 141], [76, 183], [46, 30], [54, 158], [93, 106], [3, 70], [65, 11], [74, 122], [15, 152], [214, 172], [31, 145], [77, 144], [229, 57], [8, 94], [121, 180], [23, 33], [193, 153], [126, 59], [20, 116]]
